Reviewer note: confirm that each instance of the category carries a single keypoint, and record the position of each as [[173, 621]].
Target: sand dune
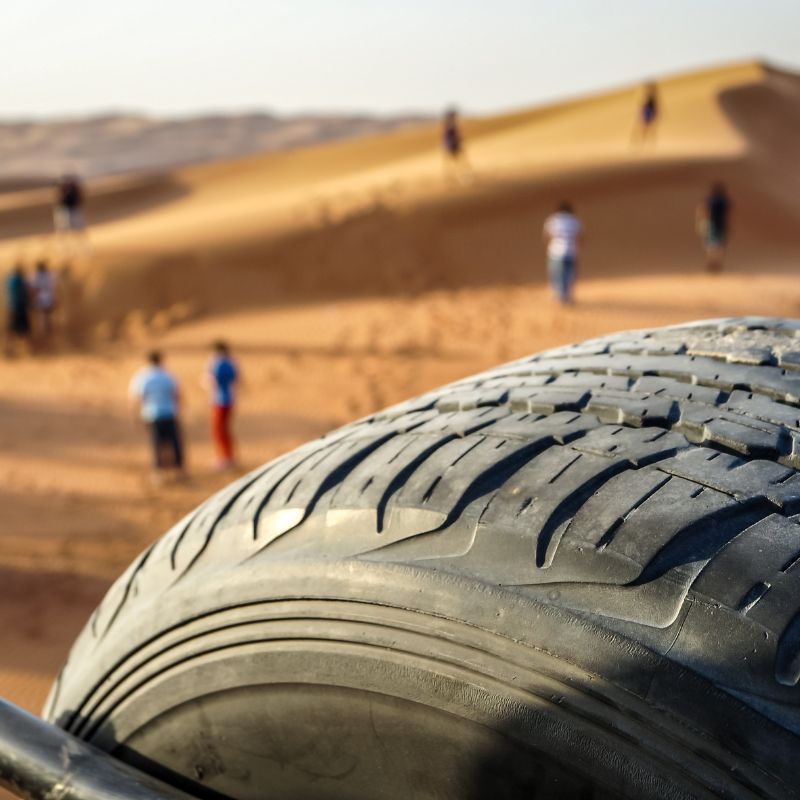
[[376, 215], [350, 276]]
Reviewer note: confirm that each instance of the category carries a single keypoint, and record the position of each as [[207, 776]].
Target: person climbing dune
[[648, 116], [455, 158]]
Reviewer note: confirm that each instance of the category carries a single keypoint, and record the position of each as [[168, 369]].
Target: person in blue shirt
[[223, 378], [155, 391]]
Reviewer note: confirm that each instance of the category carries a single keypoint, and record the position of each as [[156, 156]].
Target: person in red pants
[[223, 377]]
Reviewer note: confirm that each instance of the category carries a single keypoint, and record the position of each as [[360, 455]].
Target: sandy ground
[[347, 279]]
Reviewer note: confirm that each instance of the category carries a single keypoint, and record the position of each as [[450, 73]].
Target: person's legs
[[157, 442], [172, 434], [715, 249], [220, 424], [77, 221], [559, 269], [22, 326], [61, 219], [569, 272], [554, 274], [229, 454], [217, 430]]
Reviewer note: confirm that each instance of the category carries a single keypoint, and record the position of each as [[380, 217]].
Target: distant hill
[[32, 152]]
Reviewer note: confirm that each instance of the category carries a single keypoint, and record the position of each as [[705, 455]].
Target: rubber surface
[[574, 575]]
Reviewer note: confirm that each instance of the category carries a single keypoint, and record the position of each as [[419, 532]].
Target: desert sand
[[347, 277]]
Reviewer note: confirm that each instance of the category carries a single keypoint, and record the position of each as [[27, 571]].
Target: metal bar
[[39, 761]]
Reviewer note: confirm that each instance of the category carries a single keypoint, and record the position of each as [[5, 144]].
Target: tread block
[[561, 427], [751, 559], [638, 446], [548, 400], [657, 522], [633, 410], [678, 390], [746, 439], [462, 423], [763, 408], [468, 400]]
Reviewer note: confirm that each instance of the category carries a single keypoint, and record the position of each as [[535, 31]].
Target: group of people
[[155, 394], [30, 304], [563, 232], [31, 301], [454, 151]]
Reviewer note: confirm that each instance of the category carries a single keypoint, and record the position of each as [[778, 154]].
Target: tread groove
[[753, 596], [338, 475], [402, 477], [565, 468], [274, 488], [608, 536], [142, 560]]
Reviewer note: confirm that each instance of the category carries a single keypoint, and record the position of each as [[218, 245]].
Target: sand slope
[[348, 277], [378, 216]]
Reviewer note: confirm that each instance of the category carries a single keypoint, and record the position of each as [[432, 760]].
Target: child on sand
[[562, 233], [712, 219], [17, 308], [222, 379], [155, 391]]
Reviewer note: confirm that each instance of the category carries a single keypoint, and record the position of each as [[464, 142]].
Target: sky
[[179, 57]]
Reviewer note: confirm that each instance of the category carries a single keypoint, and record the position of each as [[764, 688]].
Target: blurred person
[[43, 286], [222, 380], [453, 146], [155, 392], [713, 221], [562, 234], [648, 114], [68, 215], [18, 302]]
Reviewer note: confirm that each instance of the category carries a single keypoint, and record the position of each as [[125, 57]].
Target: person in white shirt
[[562, 234]]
